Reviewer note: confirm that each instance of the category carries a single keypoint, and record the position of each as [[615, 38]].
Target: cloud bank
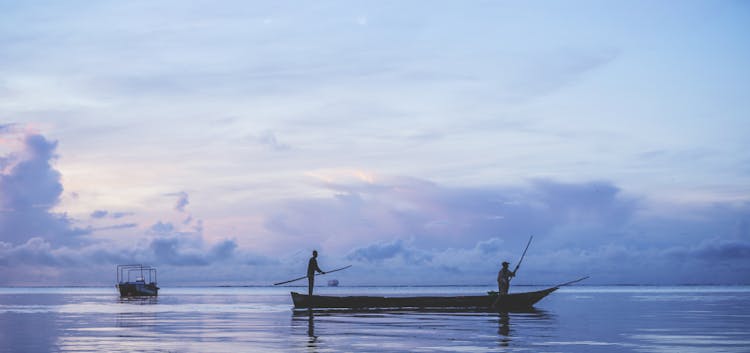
[[407, 230], [395, 230]]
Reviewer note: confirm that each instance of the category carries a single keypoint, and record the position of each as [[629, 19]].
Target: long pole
[[571, 282], [317, 274], [524, 254]]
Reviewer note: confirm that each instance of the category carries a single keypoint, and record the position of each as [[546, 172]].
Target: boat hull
[[131, 289], [508, 302]]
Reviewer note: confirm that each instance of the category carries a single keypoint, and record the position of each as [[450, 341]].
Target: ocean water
[[260, 319]]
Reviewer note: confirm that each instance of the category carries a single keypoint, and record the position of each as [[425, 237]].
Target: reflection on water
[[136, 318], [397, 330], [311, 328], [139, 300], [232, 320], [504, 329]]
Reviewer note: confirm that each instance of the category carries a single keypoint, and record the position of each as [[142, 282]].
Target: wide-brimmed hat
[[506, 263]]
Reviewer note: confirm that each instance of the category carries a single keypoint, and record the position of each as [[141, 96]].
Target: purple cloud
[[172, 251], [117, 226], [579, 228], [377, 253], [160, 227], [6, 128], [412, 230], [182, 201], [29, 188], [407, 208], [99, 214]]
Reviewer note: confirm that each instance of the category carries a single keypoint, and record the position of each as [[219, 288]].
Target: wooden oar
[[317, 274]]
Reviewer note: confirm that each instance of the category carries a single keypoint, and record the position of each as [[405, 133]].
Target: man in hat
[[503, 278], [312, 266]]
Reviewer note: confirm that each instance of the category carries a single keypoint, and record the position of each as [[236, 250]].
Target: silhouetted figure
[[312, 266], [503, 278]]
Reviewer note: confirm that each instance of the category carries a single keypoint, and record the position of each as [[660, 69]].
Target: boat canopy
[[126, 273]]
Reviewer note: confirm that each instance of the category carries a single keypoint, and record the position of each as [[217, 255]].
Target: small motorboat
[[136, 281]]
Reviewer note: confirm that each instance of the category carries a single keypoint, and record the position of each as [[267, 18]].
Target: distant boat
[[508, 302], [333, 283], [136, 280]]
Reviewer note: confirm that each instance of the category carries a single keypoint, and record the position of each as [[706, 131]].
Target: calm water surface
[[247, 319]]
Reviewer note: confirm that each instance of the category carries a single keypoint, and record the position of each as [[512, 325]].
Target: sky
[[421, 142]]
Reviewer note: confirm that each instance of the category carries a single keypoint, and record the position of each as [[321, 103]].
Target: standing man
[[503, 278], [312, 266]]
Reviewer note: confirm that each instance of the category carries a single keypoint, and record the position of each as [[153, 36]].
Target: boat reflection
[[139, 300], [504, 330], [136, 317], [445, 319], [344, 311]]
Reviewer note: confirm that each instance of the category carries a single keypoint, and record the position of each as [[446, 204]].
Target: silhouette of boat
[[508, 302], [132, 281]]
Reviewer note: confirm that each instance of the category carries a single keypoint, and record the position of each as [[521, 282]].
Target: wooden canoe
[[508, 302]]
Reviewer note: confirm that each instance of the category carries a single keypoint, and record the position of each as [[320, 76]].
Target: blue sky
[[223, 141]]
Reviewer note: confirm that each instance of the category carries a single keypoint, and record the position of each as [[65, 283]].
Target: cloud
[[117, 226], [186, 247], [414, 231], [182, 201], [40, 253], [545, 72], [268, 138], [35, 250], [161, 227], [171, 251], [99, 214], [6, 128], [377, 253], [579, 228], [409, 208], [723, 250], [490, 246], [716, 250], [29, 189]]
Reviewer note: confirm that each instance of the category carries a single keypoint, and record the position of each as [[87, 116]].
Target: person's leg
[[310, 284]]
